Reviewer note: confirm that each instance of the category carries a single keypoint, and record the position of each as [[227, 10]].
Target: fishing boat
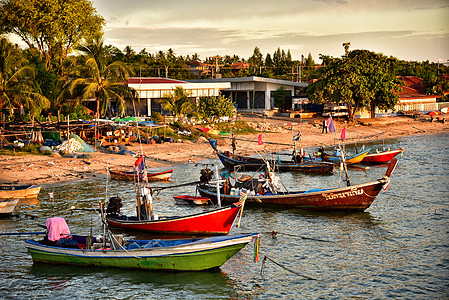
[[336, 156], [230, 161], [7, 206], [217, 221], [381, 157], [263, 192], [19, 191], [167, 255], [131, 175]]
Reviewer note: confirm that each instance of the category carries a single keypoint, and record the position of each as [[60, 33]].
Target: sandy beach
[[40, 169]]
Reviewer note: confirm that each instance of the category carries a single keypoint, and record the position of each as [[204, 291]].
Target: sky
[[416, 30]]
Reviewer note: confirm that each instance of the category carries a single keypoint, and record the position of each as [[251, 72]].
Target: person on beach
[[233, 144], [324, 126]]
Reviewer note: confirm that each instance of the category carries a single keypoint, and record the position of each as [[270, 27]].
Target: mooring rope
[[274, 232], [283, 267]]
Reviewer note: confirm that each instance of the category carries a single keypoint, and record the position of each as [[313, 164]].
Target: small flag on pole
[[343, 133], [330, 125], [139, 167], [260, 140]]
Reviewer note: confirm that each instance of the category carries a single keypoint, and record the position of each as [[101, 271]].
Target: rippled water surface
[[398, 248]]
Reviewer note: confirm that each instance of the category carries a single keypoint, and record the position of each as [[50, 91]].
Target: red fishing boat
[[350, 198], [381, 157], [213, 222], [152, 176]]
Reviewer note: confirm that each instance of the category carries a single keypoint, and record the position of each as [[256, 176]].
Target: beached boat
[[131, 175], [381, 157], [217, 221], [167, 255], [350, 198], [19, 191], [230, 161], [7, 206]]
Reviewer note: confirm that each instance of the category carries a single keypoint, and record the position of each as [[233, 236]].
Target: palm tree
[[17, 85], [178, 102], [100, 81]]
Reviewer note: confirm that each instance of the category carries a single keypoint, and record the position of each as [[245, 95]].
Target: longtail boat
[[19, 191], [230, 161], [7, 206], [167, 255], [131, 175], [337, 158], [350, 198], [217, 221], [381, 157]]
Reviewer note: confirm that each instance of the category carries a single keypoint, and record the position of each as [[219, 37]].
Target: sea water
[[398, 248]]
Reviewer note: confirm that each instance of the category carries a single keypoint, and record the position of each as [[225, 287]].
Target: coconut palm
[[101, 81], [178, 102], [17, 85]]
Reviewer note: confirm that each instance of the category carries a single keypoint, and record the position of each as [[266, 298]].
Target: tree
[[279, 98], [256, 60], [100, 81], [17, 85], [178, 102], [220, 106], [53, 27], [362, 79]]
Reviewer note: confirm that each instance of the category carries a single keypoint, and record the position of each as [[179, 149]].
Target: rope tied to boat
[[265, 258], [274, 232]]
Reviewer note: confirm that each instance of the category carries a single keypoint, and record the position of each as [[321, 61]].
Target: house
[[412, 98], [254, 94], [236, 67], [200, 69], [151, 89]]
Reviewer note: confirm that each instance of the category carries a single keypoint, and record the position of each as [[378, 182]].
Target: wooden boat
[[230, 161], [351, 198], [336, 157], [213, 222], [381, 157], [7, 206], [196, 200], [152, 176], [167, 255], [19, 191]]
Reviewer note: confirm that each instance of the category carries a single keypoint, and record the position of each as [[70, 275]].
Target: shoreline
[[44, 170]]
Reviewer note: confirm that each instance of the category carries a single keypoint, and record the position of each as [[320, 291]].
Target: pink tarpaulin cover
[[56, 227]]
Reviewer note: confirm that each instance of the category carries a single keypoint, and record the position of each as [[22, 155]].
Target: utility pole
[[216, 65]]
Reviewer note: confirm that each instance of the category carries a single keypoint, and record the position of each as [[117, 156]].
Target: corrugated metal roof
[[153, 80]]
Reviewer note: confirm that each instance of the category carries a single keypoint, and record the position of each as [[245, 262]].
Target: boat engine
[[114, 205], [206, 175]]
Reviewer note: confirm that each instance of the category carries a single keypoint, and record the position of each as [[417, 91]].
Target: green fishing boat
[[167, 255]]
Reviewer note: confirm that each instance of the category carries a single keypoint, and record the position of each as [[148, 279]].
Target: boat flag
[[260, 140], [330, 125], [139, 164], [256, 248], [139, 168], [343, 133]]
